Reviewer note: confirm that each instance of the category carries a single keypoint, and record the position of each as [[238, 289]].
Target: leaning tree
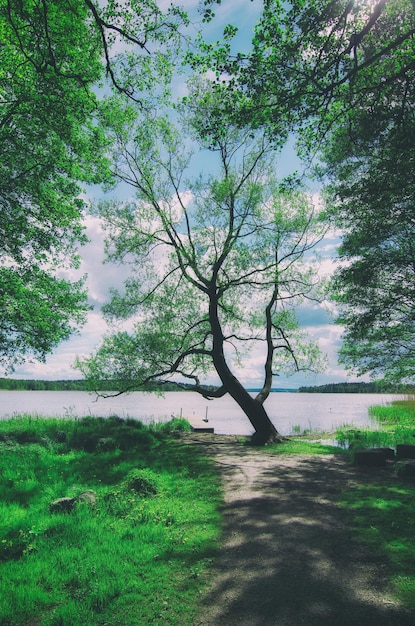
[[219, 262]]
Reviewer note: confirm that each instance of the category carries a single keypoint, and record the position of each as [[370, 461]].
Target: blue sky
[[314, 319]]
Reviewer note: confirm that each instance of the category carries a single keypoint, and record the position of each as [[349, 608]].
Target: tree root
[[262, 439]]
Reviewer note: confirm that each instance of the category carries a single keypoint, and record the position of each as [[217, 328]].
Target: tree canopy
[[369, 159], [371, 168], [53, 55], [317, 60], [47, 147]]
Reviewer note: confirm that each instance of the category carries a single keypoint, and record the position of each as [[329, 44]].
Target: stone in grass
[[405, 451], [405, 469], [371, 457], [388, 452], [62, 505], [89, 497], [66, 505]]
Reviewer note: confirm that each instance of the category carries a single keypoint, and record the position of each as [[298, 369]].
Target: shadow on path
[[287, 557]]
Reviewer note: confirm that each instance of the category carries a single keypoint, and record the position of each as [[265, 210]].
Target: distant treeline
[[42, 385], [82, 385], [78, 385], [373, 387]]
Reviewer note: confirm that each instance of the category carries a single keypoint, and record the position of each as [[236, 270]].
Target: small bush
[[15, 544], [143, 482], [175, 425], [106, 444], [61, 436], [116, 505]]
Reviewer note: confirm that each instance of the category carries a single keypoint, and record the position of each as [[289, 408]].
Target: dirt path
[[287, 557]]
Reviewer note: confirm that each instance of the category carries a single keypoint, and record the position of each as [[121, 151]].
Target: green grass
[[135, 557], [297, 445], [359, 438], [141, 555], [299, 431], [384, 516]]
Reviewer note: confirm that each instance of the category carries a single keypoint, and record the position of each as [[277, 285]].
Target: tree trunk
[[265, 431]]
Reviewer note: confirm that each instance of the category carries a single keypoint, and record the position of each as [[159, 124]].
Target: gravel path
[[287, 557]]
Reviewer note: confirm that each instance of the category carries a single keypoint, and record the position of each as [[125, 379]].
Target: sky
[[313, 319]]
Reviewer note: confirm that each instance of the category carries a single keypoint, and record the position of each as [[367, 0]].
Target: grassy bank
[[394, 424], [383, 515], [135, 551], [298, 445], [130, 552]]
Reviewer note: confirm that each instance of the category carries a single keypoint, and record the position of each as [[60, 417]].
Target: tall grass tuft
[[398, 413], [135, 553], [395, 424]]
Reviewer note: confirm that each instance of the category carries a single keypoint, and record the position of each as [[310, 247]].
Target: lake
[[322, 411]]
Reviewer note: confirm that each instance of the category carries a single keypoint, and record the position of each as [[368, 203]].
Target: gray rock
[[66, 505], [406, 469], [371, 457], [62, 505], [88, 496], [405, 451]]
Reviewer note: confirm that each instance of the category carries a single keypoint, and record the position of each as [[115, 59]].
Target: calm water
[[286, 410]]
